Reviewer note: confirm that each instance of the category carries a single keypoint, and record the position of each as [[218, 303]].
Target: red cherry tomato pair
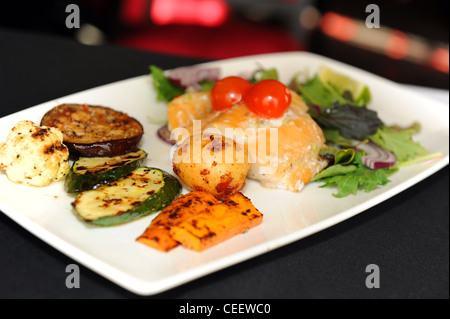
[[267, 98]]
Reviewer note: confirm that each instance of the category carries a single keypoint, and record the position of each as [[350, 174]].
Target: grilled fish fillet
[[284, 152]]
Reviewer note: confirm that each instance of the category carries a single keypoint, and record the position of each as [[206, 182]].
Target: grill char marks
[[91, 131]]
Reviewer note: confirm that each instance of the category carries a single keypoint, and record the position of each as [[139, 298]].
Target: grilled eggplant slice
[[91, 172], [144, 191], [95, 131]]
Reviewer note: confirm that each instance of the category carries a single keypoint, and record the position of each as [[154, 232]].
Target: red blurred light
[[208, 13], [439, 60], [339, 27], [397, 45], [134, 11]]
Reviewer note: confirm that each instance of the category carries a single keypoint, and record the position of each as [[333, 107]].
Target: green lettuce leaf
[[166, 90], [334, 138], [264, 74], [316, 93], [399, 141], [349, 179]]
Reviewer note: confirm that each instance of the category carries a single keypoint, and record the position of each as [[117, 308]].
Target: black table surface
[[406, 236]]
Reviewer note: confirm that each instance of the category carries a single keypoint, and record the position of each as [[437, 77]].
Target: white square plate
[[114, 253]]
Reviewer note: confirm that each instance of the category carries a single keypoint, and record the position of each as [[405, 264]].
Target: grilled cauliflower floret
[[34, 155]]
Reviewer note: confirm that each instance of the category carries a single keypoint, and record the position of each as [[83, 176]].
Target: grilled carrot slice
[[217, 223], [157, 235]]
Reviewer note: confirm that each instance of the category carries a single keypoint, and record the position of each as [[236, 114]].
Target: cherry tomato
[[228, 91], [268, 99]]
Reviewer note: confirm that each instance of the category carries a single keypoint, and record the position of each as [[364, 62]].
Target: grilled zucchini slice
[[91, 172], [144, 191]]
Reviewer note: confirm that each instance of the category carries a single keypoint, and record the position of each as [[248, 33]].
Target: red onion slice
[[189, 77], [376, 156], [164, 134]]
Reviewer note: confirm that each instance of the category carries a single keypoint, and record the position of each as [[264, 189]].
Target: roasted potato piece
[[212, 163]]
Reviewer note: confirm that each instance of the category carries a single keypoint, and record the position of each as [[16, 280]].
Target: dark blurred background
[[410, 46]]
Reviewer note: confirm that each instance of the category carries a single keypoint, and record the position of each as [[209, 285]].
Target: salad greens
[[399, 141], [165, 89], [339, 105], [350, 178], [263, 74], [347, 122], [352, 122]]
